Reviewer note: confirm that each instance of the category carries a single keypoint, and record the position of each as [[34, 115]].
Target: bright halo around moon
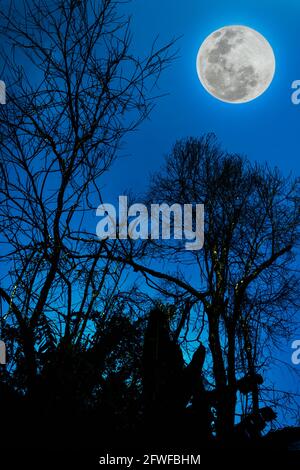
[[236, 64]]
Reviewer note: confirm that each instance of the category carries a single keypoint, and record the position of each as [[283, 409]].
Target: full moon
[[236, 64]]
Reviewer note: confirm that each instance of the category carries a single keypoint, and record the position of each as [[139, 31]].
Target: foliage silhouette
[[85, 364]]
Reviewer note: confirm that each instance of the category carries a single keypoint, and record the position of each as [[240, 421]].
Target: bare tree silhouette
[[74, 90], [72, 322], [242, 288]]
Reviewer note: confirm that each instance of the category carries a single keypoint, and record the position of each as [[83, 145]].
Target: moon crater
[[236, 64]]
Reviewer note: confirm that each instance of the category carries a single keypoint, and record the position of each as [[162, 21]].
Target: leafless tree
[[241, 291], [74, 90]]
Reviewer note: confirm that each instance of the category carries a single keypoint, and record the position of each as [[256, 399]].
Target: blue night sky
[[265, 129]]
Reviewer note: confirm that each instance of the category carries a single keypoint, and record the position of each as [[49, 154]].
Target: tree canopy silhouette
[[74, 90], [241, 289], [81, 348]]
